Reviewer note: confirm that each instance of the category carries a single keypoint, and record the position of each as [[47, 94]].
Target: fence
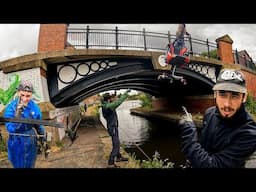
[[133, 40], [85, 38]]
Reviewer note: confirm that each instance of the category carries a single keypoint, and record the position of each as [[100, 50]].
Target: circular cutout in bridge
[[161, 60]]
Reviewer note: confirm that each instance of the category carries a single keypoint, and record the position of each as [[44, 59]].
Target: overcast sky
[[21, 39]]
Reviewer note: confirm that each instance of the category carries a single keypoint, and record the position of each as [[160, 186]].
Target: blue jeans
[[113, 132], [178, 45]]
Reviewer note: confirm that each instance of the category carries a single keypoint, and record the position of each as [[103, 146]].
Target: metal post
[[116, 38], [237, 57], [144, 36], [169, 37], [87, 37], [190, 43], [208, 49], [66, 43]]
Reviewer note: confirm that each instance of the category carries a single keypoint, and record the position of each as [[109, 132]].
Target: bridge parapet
[[90, 38]]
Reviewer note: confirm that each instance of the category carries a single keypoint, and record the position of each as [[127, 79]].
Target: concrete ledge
[[46, 107], [34, 60]]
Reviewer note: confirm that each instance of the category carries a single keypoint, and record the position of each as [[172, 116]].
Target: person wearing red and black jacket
[[228, 137], [179, 42]]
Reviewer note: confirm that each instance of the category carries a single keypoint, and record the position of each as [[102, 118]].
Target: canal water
[[143, 137]]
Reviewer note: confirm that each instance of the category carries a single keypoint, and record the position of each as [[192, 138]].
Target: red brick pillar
[[52, 37], [224, 44]]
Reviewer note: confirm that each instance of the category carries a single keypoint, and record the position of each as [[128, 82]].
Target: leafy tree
[[146, 100]]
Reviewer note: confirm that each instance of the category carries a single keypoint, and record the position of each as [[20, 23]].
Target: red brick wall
[[52, 37], [195, 104], [250, 82], [199, 105], [225, 52]]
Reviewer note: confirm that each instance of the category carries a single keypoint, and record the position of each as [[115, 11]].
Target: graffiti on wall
[[7, 95]]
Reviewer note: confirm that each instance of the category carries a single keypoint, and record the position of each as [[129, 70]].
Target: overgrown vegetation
[[251, 104], [3, 146], [95, 110], [212, 54], [133, 162], [156, 162], [146, 100], [59, 144]]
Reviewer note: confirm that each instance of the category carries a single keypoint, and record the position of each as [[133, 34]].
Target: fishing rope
[[138, 147]]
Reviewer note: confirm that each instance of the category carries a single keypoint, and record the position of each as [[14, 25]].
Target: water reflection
[[133, 130], [137, 133], [165, 139]]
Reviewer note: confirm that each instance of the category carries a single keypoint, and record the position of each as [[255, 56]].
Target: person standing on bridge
[[179, 42], [109, 105], [228, 136], [22, 142], [177, 48]]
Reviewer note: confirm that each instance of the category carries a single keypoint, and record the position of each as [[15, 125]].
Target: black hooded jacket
[[223, 143]]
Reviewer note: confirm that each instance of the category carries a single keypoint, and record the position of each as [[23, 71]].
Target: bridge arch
[[120, 73], [111, 69]]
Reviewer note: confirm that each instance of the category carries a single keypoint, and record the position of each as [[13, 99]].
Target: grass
[[156, 162], [3, 149]]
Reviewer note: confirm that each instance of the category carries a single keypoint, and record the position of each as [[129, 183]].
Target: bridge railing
[[86, 38]]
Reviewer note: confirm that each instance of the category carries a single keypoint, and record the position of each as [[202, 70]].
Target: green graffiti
[[6, 95]]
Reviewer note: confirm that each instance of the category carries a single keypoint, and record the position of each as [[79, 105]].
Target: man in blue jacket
[[228, 136], [109, 105], [22, 142]]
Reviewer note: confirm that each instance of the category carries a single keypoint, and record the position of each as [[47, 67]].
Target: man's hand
[[19, 110], [186, 117], [188, 132], [21, 105]]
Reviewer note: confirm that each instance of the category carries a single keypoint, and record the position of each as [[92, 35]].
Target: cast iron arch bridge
[[74, 74], [119, 59], [72, 81]]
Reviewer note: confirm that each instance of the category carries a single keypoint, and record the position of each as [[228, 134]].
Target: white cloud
[[18, 39]]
